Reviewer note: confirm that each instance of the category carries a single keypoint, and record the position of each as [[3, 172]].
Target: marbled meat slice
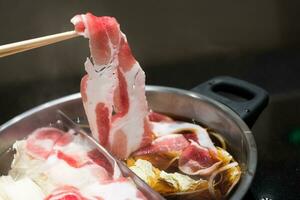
[[113, 91], [164, 144], [197, 160], [200, 156], [189, 130]]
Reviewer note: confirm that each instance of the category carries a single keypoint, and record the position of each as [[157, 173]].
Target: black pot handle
[[246, 99]]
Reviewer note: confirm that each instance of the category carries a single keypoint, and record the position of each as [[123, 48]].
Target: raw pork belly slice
[[158, 117], [65, 192], [200, 134], [41, 142], [113, 91], [197, 160], [197, 157], [164, 144]]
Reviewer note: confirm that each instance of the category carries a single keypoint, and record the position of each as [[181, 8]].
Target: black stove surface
[[277, 131], [277, 135]]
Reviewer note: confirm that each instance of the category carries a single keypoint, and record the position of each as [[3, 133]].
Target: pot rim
[[241, 188]]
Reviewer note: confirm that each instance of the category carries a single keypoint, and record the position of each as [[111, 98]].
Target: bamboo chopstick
[[9, 49]]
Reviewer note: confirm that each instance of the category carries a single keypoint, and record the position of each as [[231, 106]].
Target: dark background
[[179, 44]]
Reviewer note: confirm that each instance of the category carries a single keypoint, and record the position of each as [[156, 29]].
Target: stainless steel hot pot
[[206, 103]]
